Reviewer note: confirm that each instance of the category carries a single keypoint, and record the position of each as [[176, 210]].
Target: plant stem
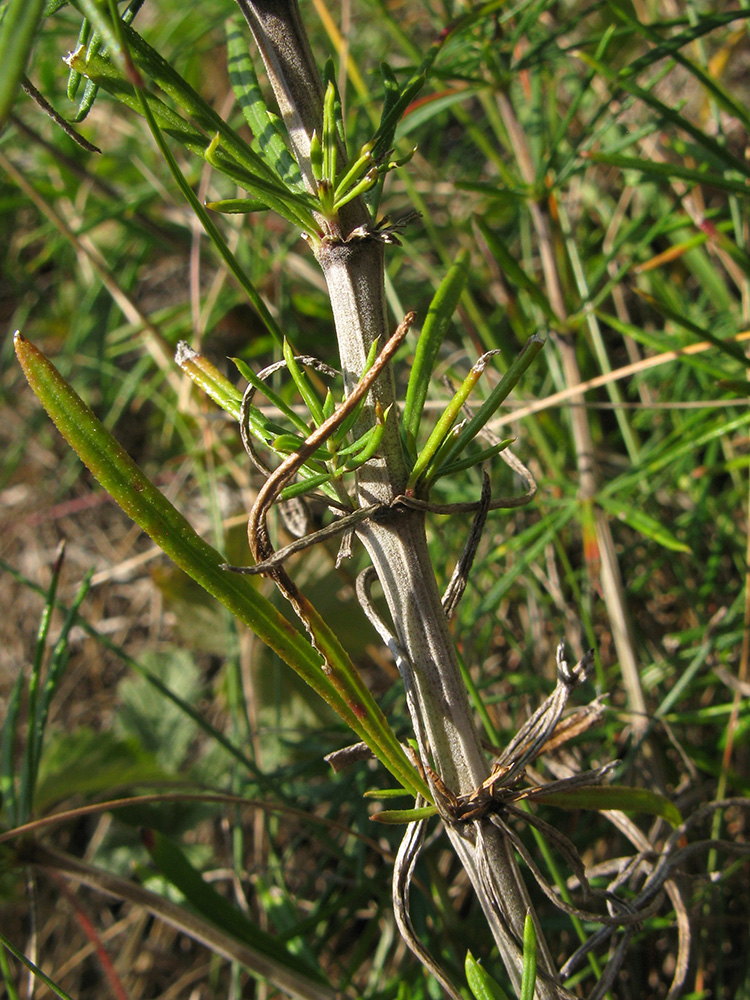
[[353, 266]]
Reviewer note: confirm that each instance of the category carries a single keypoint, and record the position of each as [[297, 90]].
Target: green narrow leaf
[[173, 864], [43, 977], [644, 524], [305, 485], [528, 978], [485, 455], [7, 769], [17, 32], [330, 136], [433, 333], [209, 378], [336, 110], [303, 386], [213, 233], [481, 983], [397, 817], [29, 764], [623, 797], [670, 170], [516, 273], [74, 77], [499, 394], [55, 671], [719, 152], [237, 206], [268, 131], [340, 685], [151, 510], [229, 153], [271, 395], [433, 451]]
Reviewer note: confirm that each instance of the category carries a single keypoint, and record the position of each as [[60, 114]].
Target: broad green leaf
[[173, 864], [17, 31], [623, 797], [85, 763], [644, 524]]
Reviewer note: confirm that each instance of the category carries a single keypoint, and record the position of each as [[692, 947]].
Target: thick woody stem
[[353, 265]]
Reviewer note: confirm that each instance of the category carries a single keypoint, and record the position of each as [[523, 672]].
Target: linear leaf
[[17, 32], [340, 686], [268, 131], [433, 333], [644, 524], [637, 800], [670, 170], [481, 983]]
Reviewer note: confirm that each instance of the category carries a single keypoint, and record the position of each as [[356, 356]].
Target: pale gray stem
[[352, 258]]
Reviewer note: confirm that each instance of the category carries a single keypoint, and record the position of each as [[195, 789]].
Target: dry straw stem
[[352, 260]]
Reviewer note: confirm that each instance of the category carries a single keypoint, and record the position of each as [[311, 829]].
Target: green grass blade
[[8, 789], [52, 986], [673, 48], [29, 764], [55, 671], [516, 273], [718, 152], [17, 32], [174, 865], [148, 675], [433, 333], [644, 524], [653, 168]]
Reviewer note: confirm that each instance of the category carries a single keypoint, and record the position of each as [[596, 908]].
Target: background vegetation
[[590, 157]]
